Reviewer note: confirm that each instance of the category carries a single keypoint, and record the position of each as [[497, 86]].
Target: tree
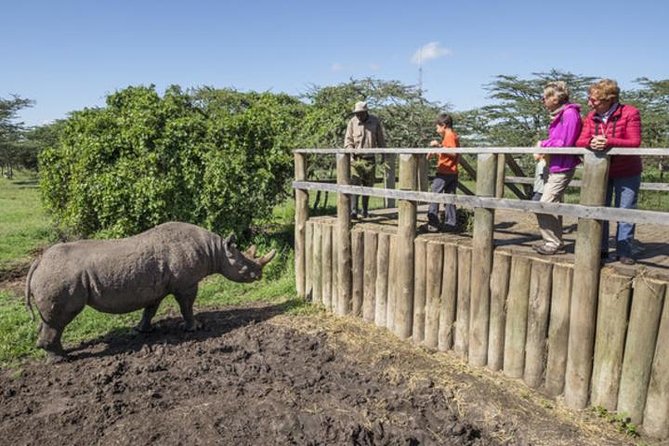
[[10, 132]]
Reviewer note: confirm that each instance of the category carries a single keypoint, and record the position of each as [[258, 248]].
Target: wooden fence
[[592, 335]]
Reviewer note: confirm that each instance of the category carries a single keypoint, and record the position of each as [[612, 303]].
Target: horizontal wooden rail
[[570, 210], [662, 187], [481, 150]]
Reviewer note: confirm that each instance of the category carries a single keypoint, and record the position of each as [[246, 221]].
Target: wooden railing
[[590, 213]]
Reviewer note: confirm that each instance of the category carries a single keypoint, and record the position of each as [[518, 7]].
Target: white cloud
[[337, 67], [429, 51]]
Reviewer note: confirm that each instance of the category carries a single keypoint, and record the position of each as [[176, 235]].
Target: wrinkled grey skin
[[120, 276]]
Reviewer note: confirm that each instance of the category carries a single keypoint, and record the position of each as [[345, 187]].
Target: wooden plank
[[647, 302], [558, 329], [537, 322], [662, 187], [449, 297], [499, 288], [516, 317], [463, 307], [369, 280], [478, 150], [434, 259], [569, 210], [612, 313]]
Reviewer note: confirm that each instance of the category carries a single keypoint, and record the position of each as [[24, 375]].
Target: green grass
[[24, 226]]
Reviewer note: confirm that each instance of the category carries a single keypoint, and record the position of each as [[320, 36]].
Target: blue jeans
[[443, 183], [626, 194]]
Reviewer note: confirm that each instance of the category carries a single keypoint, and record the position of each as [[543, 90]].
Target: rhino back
[[119, 276]]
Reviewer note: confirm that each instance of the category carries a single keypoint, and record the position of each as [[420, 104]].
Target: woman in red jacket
[[612, 124]]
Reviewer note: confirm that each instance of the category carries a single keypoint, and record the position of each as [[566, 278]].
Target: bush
[[145, 159]]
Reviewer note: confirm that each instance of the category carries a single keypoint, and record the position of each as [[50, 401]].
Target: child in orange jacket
[[446, 178]]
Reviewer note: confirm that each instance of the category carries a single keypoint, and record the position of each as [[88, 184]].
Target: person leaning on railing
[[612, 124], [563, 131]]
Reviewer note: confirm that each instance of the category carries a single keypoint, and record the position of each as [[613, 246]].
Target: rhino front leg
[[186, 298], [144, 325]]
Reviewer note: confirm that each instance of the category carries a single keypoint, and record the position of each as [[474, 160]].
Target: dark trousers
[[448, 184]]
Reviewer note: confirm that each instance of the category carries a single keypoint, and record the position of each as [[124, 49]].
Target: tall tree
[[10, 132]]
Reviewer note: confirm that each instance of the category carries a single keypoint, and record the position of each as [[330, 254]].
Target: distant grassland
[[24, 226]]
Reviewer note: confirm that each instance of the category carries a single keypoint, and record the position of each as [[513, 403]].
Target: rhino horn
[[266, 258], [251, 252]]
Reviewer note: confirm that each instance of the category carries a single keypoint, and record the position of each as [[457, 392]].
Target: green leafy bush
[[145, 159]]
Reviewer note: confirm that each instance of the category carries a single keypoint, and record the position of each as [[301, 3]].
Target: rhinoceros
[[124, 275]]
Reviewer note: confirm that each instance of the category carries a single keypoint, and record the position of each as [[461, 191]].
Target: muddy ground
[[256, 376]]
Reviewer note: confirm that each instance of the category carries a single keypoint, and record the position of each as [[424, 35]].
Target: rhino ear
[[231, 240], [251, 252]]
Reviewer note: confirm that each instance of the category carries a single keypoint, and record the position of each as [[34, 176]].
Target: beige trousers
[[551, 225]]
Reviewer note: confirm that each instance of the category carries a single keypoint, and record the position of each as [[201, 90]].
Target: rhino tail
[[29, 306]]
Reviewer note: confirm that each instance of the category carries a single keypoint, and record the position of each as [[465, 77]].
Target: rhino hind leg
[[49, 340], [186, 298], [144, 325]]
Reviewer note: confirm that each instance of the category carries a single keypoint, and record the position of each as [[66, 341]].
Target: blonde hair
[[605, 90], [558, 89]]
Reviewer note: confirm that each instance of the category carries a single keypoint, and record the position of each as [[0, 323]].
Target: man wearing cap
[[364, 131]]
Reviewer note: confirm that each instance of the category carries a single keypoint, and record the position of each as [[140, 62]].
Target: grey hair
[[558, 89]]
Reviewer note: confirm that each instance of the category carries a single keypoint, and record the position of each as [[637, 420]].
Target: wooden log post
[[327, 267], [423, 166], [301, 217], [516, 317], [449, 297], [585, 284], [558, 329], [612, 314], [499, 176], [656, 415], [382, 269], [389, 161], [358, 262], [463, 306], [644, 321], [343, 234], [369, 279], [392, 284], [537, 322], [419, 291], [309, 261], [406, 233], [335, 268], [499, 288], [482, 251], [434, 259], [317, 269]]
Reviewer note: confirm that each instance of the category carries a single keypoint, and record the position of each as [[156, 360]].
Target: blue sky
[[67, 55]]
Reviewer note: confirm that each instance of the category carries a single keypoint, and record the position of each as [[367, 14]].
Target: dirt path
[[254, 376]]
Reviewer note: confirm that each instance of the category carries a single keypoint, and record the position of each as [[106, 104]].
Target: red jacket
[[622, 129]]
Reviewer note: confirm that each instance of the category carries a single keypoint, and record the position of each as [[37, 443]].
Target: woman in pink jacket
[[564, 129], [612, 124]]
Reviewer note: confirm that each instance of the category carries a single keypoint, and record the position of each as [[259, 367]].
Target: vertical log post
[[357, 271], [369, 279], [309, 262], [482, 249], [656, 415], [343, 234], [382, 270], [326, 268], [585, 285], [433, 275], [612, 316], [419, 291], [499, 177], [499, 288], [515, 332], [317, 264], [644, 321], [449, 297], [463, 306], [301, 217], [558, 329], [406, 232], [389, 176], [537, 321]]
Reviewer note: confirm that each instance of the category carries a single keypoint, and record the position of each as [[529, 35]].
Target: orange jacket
[[447, 164]]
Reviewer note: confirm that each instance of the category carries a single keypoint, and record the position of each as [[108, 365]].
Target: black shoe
[[448, 228], [354, 214], [626, 260], [365, 214]]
